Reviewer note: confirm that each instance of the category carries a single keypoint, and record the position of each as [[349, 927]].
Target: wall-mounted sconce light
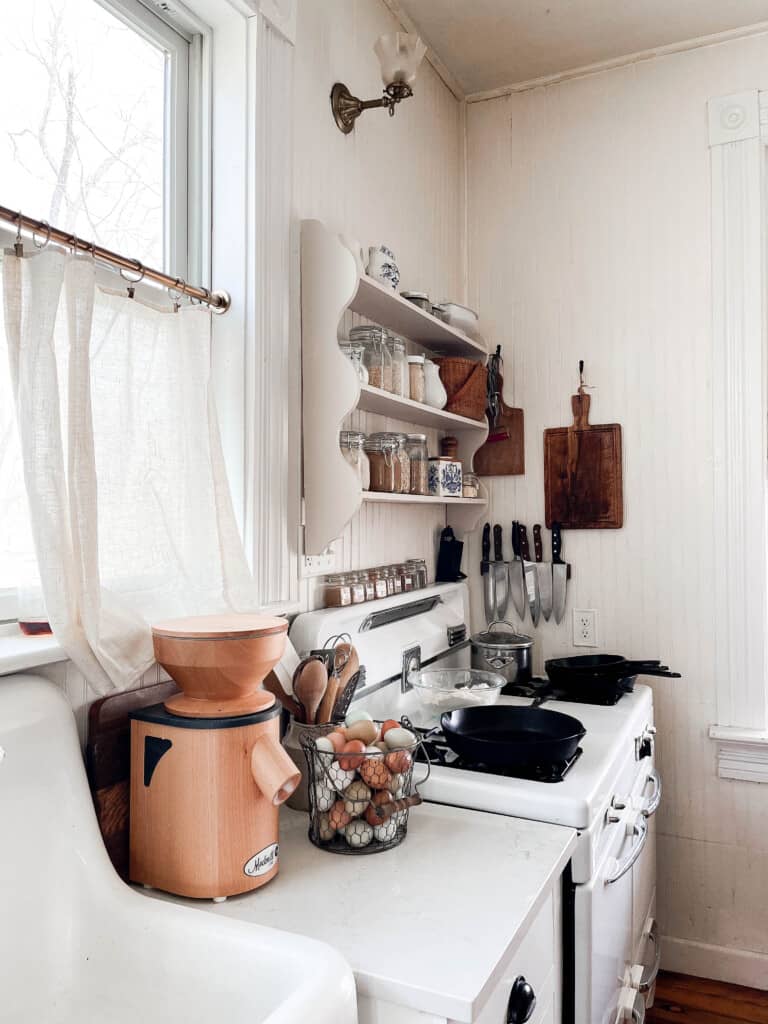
[[399, 55]]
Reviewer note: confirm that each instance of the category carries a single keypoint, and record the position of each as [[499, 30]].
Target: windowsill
[[19, 653], [742, 754]]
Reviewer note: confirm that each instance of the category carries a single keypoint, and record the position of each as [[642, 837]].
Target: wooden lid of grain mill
[[227, 626]]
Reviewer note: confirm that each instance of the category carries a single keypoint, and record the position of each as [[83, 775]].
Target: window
[[93, 138]]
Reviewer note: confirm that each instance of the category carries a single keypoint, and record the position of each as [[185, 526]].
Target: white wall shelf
[[384, 306], [382, 402], [421, 499], [330, 284]]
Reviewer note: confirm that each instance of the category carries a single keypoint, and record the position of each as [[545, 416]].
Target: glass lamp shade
[[399, 55]]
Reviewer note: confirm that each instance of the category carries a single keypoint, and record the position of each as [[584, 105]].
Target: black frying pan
[[590, 671], [512, 737]]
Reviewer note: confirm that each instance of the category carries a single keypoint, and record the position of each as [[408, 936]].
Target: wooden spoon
[[272, 685], [309, 686], [329, 700]]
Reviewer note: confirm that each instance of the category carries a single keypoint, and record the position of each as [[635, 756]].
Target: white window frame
[[738, 139]]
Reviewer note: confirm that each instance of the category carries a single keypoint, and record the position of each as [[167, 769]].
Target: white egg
[[387, 831], [399, 738], [325, 798], [324, 744], [358, 833], [340, 777], [357, 716], [372, 750]]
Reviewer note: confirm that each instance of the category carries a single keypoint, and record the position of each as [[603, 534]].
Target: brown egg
[[363, 730], [350, 759], [338, 816], [375, 772], [377, 800], [398, 761], [337, 739], [389, 724]]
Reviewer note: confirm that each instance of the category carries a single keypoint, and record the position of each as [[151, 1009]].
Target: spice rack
[[330, 285]]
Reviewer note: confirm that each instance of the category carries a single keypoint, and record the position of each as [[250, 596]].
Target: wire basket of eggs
[[361, 784]]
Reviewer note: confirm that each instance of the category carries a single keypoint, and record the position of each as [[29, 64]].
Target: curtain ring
[[201, 302], [180, 291], [73, 244], [18, 230], [139, 270], [39, 245]]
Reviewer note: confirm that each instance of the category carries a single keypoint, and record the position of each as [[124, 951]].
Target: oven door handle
[[655, 798], [650, 971], [640, 832]]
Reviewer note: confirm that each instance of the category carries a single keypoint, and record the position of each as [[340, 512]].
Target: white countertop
[[429, 924]]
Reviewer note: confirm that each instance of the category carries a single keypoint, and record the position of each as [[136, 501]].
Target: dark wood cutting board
[[503, 453], [583, 487], [108, 759]]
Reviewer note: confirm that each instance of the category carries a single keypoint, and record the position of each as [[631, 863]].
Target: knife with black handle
[[489, 595], [531, 579], [544, 572], [516, 574], [498, 548], [559, 574]]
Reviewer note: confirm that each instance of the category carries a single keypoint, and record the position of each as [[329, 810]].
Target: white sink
[[78, 945]]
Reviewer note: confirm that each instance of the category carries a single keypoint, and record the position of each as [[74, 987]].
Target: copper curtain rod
[[218, 301]]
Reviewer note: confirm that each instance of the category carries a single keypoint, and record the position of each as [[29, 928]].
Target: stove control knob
[[522, 1002], [644, 745]]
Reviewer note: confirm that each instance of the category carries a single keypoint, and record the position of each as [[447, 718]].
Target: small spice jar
[[406, 577], [416, 447], [366, 578], [400, 383], [352, 444], [384, 462], [337, 592], [470, 486], [416, 378], [377, 359], [379, 582], [356, 587], [418, 567], [354, 352], [394, 582]]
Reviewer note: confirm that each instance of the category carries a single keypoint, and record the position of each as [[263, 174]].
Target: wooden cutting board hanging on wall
[[583, 488], [503, 453]]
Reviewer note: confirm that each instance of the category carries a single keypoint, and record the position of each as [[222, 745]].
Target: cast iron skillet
[[591, 672], [511, 736]]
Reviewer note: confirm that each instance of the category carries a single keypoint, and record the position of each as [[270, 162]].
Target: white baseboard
[[737, 966]]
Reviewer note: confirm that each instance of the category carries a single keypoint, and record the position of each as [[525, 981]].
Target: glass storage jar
[[405, 463], [384, 463], [368, 584], [400, 383], [394, 583], [470, 486], [416, 378], [377, 357], [416, 446], [354, 352], [406, 577], [352, 444], [337, 592], [379, 582]]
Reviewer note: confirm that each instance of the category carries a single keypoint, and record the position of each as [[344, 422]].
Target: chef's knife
[[499, 570], [489, 598], [531, 578], [516, 575], [559, 574], [544, 572]]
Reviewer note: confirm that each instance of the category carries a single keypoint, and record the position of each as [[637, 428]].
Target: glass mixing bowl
[[446, 689]]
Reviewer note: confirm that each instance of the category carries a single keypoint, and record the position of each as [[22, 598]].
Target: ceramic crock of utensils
[[503, 651]]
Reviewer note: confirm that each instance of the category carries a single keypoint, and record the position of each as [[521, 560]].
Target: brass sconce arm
[[347, 108]]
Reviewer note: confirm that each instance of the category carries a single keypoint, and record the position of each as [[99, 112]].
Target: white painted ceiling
[[487, 44]]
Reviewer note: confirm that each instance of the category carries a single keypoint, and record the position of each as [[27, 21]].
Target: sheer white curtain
[[128, 498]]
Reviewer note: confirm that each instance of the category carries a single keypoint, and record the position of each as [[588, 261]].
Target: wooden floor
[[684, 1000]]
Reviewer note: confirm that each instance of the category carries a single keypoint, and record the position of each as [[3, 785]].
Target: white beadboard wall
[[588, 214], [394, 180]]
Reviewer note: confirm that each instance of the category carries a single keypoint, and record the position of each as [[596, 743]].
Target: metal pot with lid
[[503, 651]]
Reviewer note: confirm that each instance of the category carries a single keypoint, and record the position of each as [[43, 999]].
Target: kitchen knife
[[499, 570], [530, 576], [489, 597], [516, 575], [544, 572], [559, 574]]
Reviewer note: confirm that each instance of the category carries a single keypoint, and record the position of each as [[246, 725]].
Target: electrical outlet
[[584, 627], [319, 565]]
